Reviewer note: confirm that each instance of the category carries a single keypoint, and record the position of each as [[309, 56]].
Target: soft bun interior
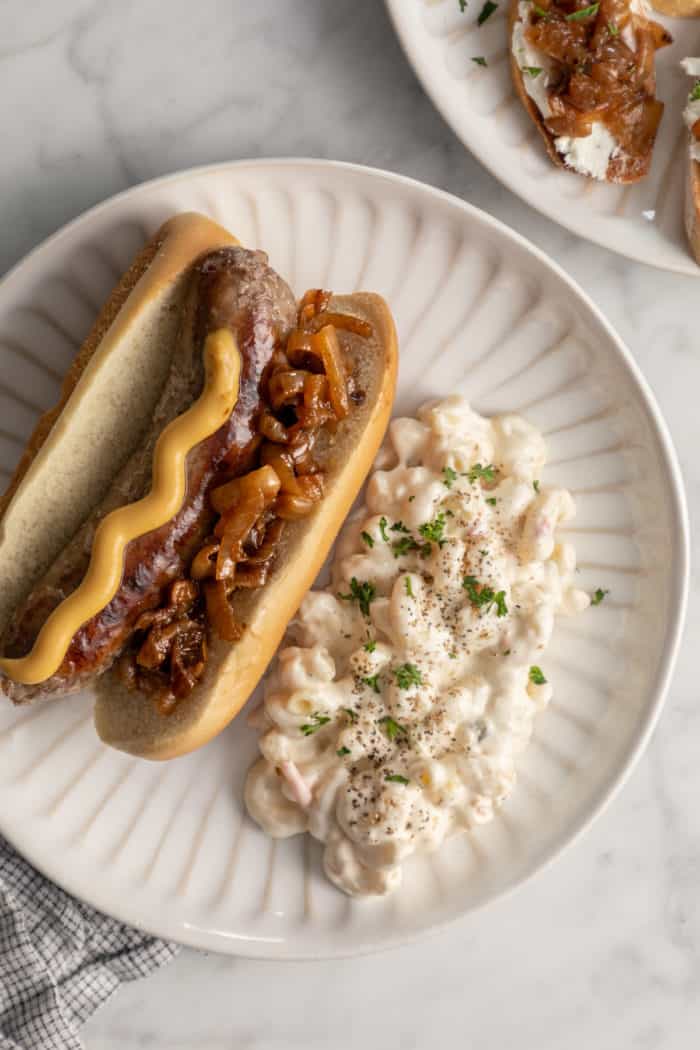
[[105, 393]]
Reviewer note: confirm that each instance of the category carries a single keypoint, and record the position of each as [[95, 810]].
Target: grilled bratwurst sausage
[[235, 289]]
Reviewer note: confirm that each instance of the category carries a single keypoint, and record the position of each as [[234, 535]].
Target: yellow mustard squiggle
[[222, 363]]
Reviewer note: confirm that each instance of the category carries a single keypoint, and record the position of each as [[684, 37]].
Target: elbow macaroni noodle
[[395, 718]]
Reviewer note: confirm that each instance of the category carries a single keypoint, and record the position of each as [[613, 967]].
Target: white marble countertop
[[603, 948]]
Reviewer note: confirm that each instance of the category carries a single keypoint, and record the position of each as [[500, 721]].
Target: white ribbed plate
[[478, 310], [644, 221]]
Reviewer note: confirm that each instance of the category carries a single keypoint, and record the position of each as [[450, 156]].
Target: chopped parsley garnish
[[382, 529], [411, 498], [342, 751], [597, 598], [532, 71], [403, 546], [407, 675], [452, 656], [426, 550], [492, 501], [613, 29], [434, 530], [486, 11], [449, 476], [536, 486], [370, 645], [367, 539], [392, 728], [695, 93], [583, 13], [399, 526], [462, 5], [480, 60], [317, 720], [471, 586], [352, 715], [485, 597], [485, 473], [373, 682], [396, 778], [362, 593], [409, 586], [541, 11], [536, 676]]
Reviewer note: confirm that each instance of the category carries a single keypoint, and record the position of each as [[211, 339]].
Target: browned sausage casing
[[235, 289]]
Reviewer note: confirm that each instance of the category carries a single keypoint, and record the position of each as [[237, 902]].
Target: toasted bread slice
[[130, 721], [677, 8], [692, 204], [621, 167]]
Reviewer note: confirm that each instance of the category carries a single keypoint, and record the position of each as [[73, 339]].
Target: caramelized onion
[[233, 529], [347, 322], [157, 645], [262, 482], [152, 617], [314, 301], [269, 546], [203, 563], [303, 351], [246, 498], [183, 594], [283, 465], [291, 508], [272, 429], [301, 451], [187, 659], [219, 612], [316, 409], [286, 387], [335, 373]]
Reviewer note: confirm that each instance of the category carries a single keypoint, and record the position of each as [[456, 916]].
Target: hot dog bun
[[139, 370], [128, 722], [124, 360]]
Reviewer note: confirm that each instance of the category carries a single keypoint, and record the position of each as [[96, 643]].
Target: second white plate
[[643, 222], [168, 847]]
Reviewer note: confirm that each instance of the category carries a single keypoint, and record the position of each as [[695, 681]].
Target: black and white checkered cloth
[[59, 959]]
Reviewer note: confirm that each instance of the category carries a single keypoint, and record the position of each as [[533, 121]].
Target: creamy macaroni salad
[[396, 717]]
